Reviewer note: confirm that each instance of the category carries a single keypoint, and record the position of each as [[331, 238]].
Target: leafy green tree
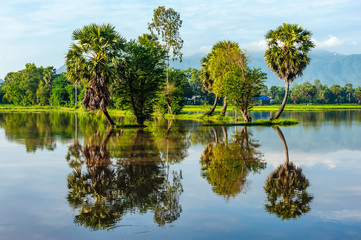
[[337, 93], [296, 93], [43, 94], [224, 60], [2, 93], [309, 91], [178, 84], [277, 93], [286, 189], [166, 24], [241, 88], [142, 77], [92, 59], [59, 94], [357, 94], [348, 90], [44, 88], [326, 95], [20, 87], [287, 54]]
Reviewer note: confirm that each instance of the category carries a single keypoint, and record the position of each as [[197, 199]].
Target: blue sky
[[39, 31]]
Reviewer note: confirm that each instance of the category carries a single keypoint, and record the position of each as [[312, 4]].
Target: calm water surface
[[66, 176]]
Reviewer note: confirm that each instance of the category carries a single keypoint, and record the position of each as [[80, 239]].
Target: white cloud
[[332, 41], [256, 46], [341, 215], [205, 49], [310, 159]]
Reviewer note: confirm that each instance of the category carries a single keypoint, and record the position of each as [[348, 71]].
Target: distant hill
[[1, 80], [329, 68], [61, 69]]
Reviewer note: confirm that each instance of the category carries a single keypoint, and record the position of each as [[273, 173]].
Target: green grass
[[274, 108]]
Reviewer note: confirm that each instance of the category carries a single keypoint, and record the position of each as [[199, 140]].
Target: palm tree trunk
[[279, 132], [280, 110], [109, 119], [224, 109], [210, 112]]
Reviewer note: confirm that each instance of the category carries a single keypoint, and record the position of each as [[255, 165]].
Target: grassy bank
[[274, 108]]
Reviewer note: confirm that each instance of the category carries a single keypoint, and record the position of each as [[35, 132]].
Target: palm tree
[[286, 189], [92, 59], [287, 54]]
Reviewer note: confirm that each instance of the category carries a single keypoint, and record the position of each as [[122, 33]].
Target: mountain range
[[330, 68]]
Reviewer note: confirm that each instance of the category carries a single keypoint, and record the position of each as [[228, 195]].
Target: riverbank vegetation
[[133, 79]]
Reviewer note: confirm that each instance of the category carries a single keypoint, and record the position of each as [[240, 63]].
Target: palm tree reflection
[[226, 164], [286, 189]]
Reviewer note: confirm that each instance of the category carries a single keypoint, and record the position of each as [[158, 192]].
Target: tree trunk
[[245, 116], [169, 105], [280, 110], [210, 112], [166, 96], [224, 109], [279, 132], [109, 119]]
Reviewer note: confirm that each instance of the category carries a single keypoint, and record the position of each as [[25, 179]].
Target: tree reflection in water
[[286, 189], [226, 164], [138, 182]]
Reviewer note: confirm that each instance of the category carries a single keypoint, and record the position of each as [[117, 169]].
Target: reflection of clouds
[[340, 215], [310, 159]]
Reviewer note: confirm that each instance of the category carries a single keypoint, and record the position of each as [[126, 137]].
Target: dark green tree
[[309, 91], [92, 59], [241, 87], [21, 87], [59, 94], [357, 94], [287, 55], [337, 93], [178, 84], [142, 77]]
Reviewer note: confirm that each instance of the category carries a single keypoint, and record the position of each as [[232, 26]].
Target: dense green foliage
[[316, 93], [141, 78], [38, 86]]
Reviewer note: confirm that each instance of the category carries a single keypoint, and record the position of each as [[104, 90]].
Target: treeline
[[43, 87], [38, 86], [315, 93]]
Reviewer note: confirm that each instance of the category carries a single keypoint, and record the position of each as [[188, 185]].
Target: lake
[[67, 176]]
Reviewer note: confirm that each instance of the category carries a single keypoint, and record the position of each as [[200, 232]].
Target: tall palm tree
[[92, 59], [287, 55]]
